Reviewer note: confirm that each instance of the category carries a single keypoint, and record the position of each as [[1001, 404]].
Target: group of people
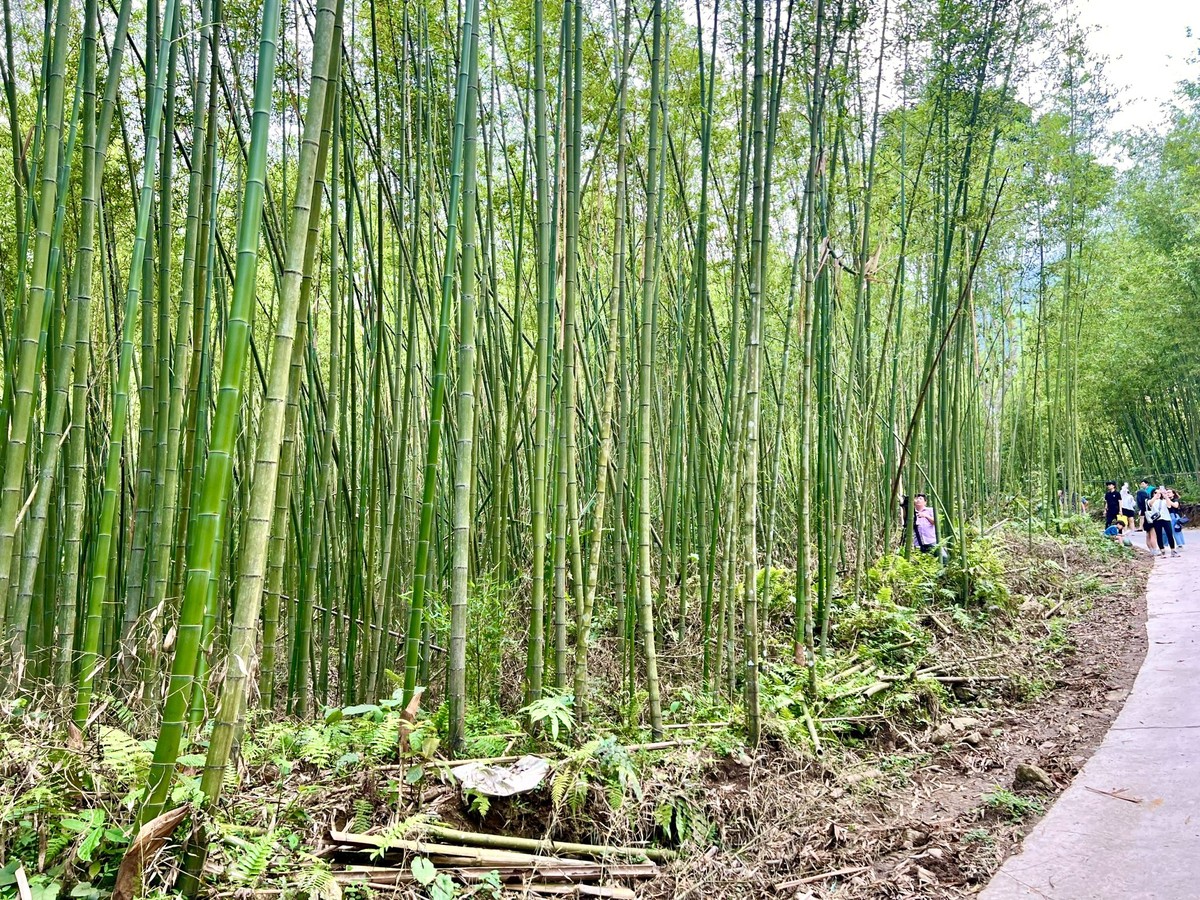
[[1153, 509]]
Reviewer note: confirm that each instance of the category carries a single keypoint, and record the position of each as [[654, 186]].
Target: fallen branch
[[533, 845], [824, 876], [812, 730], [456, 854], [1114, 794], [1055, 608], [571, 870]]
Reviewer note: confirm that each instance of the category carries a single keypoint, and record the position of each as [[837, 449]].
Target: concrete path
[[1093, 845]]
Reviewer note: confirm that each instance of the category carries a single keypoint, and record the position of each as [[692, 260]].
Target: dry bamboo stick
[[545, 846], [576, 870], [482, 854]]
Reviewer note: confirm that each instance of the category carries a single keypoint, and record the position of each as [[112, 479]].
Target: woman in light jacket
[[1158, 513]]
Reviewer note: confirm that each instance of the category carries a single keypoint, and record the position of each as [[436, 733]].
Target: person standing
[[1177, 519], [1112, 503], [924, 525], [1142, 499], [1128, 505], [1158, 513]]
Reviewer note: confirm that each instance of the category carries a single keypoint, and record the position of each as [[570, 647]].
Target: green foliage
[[1057, 639], [974, 574], [908, 582], [364, 811], [41, 887], [1012, 805], [1027, 688], [315, 880], [554, 711], [782, 600], [490, 611], [248, 860], [124, 762], [682, 819], [438, 885], [880, 628], [489, 731], [601, 761], [478, 803]]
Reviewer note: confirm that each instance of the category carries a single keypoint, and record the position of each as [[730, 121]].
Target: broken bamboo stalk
[[572, 870], [823, 876], [481, 854], [534, 845]]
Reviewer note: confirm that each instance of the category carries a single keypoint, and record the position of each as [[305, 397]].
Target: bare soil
[[906, 815]]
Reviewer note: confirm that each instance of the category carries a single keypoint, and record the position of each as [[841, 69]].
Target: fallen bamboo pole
[[534, 845], [482, 854], [573, 870]]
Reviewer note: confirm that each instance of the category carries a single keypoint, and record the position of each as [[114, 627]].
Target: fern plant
[[248, 860], [602, 761], [315, 880]]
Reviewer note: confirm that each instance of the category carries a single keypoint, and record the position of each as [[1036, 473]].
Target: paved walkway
[[1093, 845]]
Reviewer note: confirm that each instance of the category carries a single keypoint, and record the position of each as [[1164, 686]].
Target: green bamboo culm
[[413, 638], [21, 399], [202, 559], [456, 679], [650, 251], [301, 253], [98, 588], [95, 147]]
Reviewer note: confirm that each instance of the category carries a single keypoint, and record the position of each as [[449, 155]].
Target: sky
[[1148, 44]]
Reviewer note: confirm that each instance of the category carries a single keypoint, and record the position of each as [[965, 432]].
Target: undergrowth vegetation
[[926, 636]]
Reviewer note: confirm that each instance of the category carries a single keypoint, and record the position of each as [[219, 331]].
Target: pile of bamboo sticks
[[538, 867]]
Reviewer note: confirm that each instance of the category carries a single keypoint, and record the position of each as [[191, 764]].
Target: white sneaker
[[1174, 552]]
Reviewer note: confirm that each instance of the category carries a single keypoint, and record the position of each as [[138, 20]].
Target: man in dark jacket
[[1112, 503]]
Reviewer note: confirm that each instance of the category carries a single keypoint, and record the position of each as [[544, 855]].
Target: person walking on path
[[1158, 514], [1112, 503]]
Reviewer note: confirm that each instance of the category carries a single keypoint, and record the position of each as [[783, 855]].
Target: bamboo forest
[[558, 448]]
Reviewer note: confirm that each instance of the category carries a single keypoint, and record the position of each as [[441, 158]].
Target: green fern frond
[[315, 880], [252, 859], [121, 756], [364, 810]]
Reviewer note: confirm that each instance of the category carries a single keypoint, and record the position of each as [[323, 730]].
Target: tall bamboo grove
[[509, 354]]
